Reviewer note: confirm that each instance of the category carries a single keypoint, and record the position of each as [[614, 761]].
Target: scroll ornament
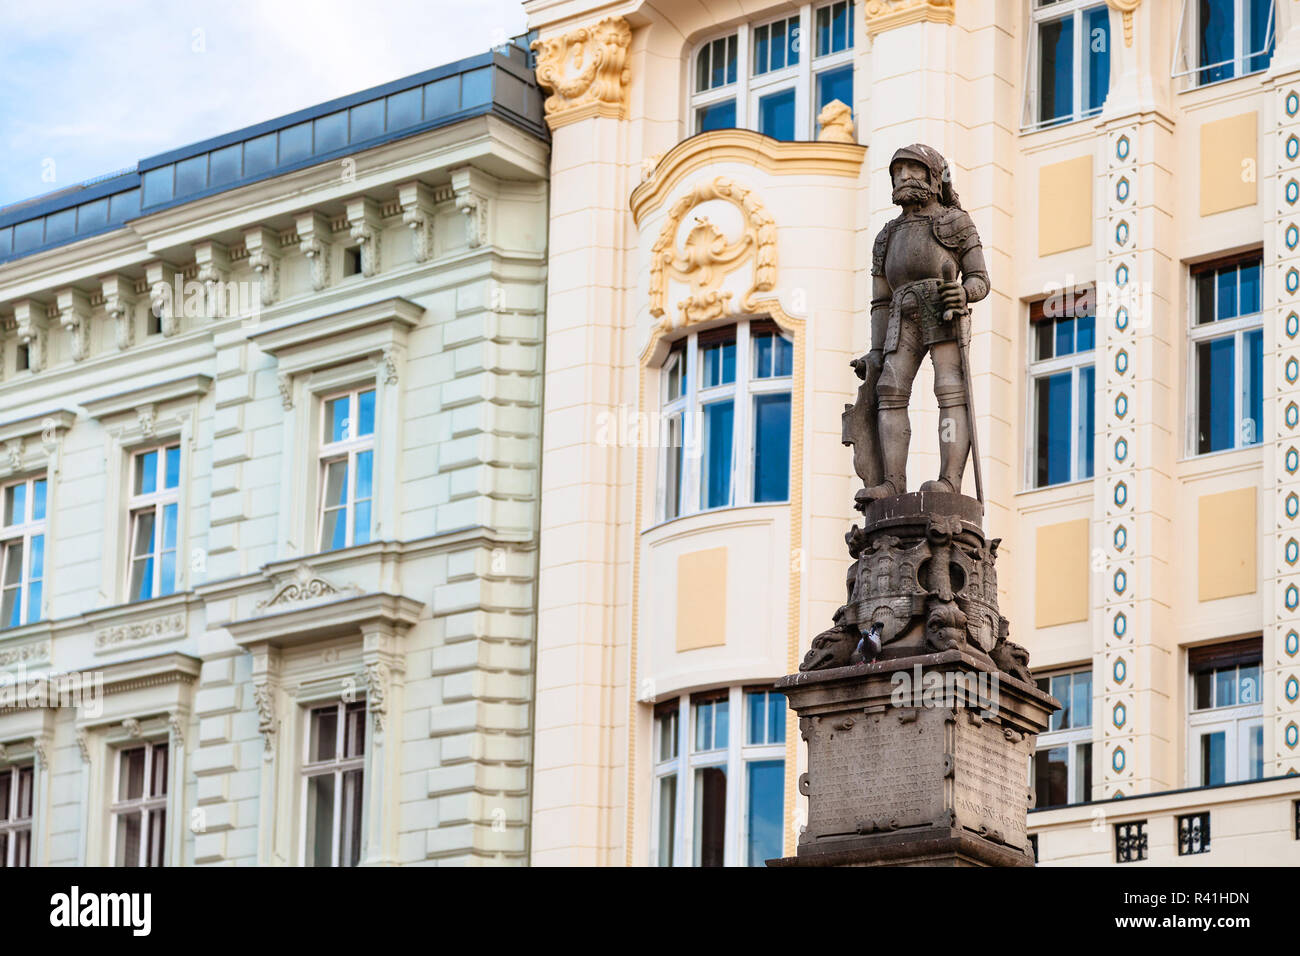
[[586, 70]]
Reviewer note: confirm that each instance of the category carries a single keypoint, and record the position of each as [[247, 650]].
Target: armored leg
[[954, 418], [893, 389]]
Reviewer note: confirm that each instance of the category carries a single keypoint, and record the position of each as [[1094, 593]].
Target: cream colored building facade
[[270, 408], [1140, 460]]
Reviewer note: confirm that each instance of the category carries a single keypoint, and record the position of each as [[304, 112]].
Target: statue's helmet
[[931, 159]]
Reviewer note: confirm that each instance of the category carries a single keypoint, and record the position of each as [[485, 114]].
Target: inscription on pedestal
[[991, 779]]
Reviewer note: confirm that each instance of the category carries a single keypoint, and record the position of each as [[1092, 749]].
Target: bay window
[[1225, 725], [719, 778], [725, 432], [22, 552], [1062, 383], [766, 76], [16, 787], [1061, 769], [333, 773], [1068, 69], [1227, 355], [347, 453], [155, 513], [139, 811]]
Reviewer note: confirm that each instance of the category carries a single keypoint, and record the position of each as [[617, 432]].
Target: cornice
[[748, 148], [390, 317], [119, 403], [54, 420], [147, 672], [884, 15], [319, 620]]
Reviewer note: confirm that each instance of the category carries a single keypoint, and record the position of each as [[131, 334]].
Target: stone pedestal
[[916, 761]]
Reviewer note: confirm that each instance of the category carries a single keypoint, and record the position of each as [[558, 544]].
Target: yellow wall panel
[[702, 599], [1061, 574], [1065, 205], [1226, 544], [1229, 150]]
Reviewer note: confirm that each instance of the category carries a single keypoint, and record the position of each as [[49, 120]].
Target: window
[[1194, 834], [16, 785], [347, 469], [352, 261], [766, 76], [1131, 841], [1062, 762], [1062, 382], [719, 793], [155, 513], [1227, 355], [333, 773], [1225, 733], [22, 552], [1220, 39], [726, 419], [1068, 69], [140, 810]]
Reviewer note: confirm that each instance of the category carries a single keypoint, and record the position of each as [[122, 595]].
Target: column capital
[[586, 70]]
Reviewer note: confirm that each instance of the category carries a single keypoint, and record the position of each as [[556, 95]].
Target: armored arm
[[881, 295], [975, 276]]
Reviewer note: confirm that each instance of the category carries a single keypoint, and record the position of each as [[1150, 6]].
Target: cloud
[[90, 88]]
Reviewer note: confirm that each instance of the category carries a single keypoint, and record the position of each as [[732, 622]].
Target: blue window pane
[[38, 500], [1248, 289], [92, 217], [29, 234], [173, 466], [1087, 421], [1252, 387], [60, 225], [776, 115], [476, 88], [719, 363], [169, 527], [1053, 428], [762, 356], [6, 241], [765, 798], [716, 116], [225, 165], [756, 705], [1056, 70], [716, 482], [145, 590], [1217, 39], [16, 505], [157, 184], [1213, 759], [366, 413], [1255, 753], [13, 600], [331, 132], [1081, 699], [34, 601], [1085, 333], [1260, 36], [361, 528], [295, 143], [167, 573], [1227, 300], [336, 419], [260, 155], [36, 566], [192, 175], [1064, 336], [1215, 382], [124, 206], [722, 70], [365, 471], [367, 121], [441, 97], [146, 473], [1096, 22], [772, 447], [835, 85], [781, 47], [404, 109], [776, 718], [762, 45]]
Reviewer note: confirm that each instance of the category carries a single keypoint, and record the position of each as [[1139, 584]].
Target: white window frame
[[146, 805], [21, 534], [1040, 14], [337, 766], [346, 449], [735, 758], [1236, 722], [1220, 329], [1074, 738], [1185, 46], [1037, 369], [690, 405], [747, 89], [12, 825], [155, 501]]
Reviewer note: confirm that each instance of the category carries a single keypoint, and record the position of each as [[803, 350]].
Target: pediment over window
[[302, 586], [290, 622], [26, 443], [143, 399], [135, 689], [301, 345]]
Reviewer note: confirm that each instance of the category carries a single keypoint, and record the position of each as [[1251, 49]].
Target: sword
[[949, 273]]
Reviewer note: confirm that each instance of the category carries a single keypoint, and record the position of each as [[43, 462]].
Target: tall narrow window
[[1069, 67], [333, 774], [1062, 763], [1225, 730], [1062, 382], [1222, 39], [1227, 353], [725, 437], [347, 453], [667, 744], [155, 513], [16, 784], [22, 552], [139, 811]]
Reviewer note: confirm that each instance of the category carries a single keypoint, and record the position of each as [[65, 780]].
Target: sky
[[89, 88]]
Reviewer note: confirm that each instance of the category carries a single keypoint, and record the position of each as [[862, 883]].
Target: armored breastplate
[[914, 253]]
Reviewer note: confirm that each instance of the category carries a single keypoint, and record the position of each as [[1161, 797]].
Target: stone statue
[[923, 579], [918, 304]]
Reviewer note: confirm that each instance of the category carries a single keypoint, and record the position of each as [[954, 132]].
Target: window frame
[[745, 387], [12, 825], [22, 535], [346, 449], [156, 502], [1074, 737], [1042, 13], [338, 766], [1235, 328], [145, 805], [747, 89], [1187, 38], [1075, 363]]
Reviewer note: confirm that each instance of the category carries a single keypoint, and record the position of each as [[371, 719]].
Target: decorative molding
[[708, 256], [132, 727], [376, 679], [33, 653], [176, 725], [300, 586], [313, 242], [160, 277], [472, 187], [40, 747], [267, 722], [417, 204], [32, 323], [285, 382], [212, 260], [140, 632], [746, 148], [586, 70], [883, 15], [263, 248], [74, 316], [1126, 8], [365, 222], [119, 302], [388, 364], [83, 745], [835, 122]]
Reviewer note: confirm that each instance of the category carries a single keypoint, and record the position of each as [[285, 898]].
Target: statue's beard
[[912, 192]]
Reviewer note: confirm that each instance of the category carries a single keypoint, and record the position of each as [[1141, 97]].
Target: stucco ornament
[[707, 256], [586, 70], [1126, 8], [836, 123], [882, 15]]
